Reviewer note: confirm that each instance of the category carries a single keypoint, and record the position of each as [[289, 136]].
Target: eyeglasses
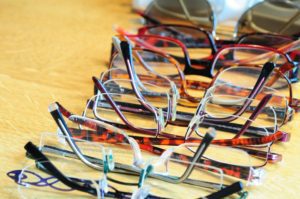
[[277, 82], [94, 124], [137, 85], [247, 170], [61, 183], [193, 44], [106, 109], [179, 140], [280, 106], [248, 74], [258, 18]]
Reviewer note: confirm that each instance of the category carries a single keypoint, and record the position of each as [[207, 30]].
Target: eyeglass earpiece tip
[[52, 107], [212, 132]]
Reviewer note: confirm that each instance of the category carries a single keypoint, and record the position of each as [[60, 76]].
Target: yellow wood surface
[[49, 50]]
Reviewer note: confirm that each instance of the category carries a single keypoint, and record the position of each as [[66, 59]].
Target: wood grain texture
[[49, 51]]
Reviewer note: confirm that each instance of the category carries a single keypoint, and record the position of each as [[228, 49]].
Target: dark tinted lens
[[181, 12], [271, 16]]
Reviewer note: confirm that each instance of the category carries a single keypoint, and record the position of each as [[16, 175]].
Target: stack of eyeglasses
[[176, 110]]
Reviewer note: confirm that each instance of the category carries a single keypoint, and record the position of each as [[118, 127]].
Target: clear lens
[[274, 41], [195, 40], [240, 157], [145, 61], [261, 18], [229, 98], [34, 183], [208, 176], [160, 44], [246, 56], [131, 108]]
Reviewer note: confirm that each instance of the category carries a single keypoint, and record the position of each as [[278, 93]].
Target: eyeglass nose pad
[[194, 123], [161, 121], [290, 114], [175, 98], [103, 187], [117, 44], [108, 160], [256, 177], [144, 174], [142, 192], [164, 159], [60, 137], [137, 154]]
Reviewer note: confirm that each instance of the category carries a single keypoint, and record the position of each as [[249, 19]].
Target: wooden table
[[49, 52]]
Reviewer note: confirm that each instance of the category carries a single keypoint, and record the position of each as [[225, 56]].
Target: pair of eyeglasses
[[284, 115], [244, 127], [117, 108], [247, 73], [182, 118], [59, 183], [112, 108], [259, 18], [200, 44], [66, 131], [239, 167], [244, 55]]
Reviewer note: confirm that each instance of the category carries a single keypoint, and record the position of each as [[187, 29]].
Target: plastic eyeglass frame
[[235, 142], [293, 102], [125, 49], [263, 77], [247, 173], [215, 43], [266, 71], [206, 70], [57, 116], [184, 82]]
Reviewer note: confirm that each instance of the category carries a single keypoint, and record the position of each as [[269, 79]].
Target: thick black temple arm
[[45, 162], [227, 191]]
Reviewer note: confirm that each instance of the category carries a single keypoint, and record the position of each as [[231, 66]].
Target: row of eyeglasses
[[176, 115]]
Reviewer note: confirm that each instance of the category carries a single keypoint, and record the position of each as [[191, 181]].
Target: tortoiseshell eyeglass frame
[[242, 172], [206, 65]]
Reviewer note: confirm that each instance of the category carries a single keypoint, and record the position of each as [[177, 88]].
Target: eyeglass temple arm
[[208, 137], [265, 73], [227, 191], [127, 55], [254, 115], [43, 160], [46, 166], [59, 120]]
